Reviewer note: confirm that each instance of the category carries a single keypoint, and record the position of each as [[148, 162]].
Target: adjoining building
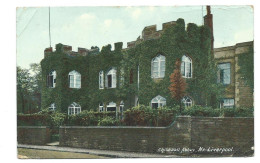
[[106, 80]]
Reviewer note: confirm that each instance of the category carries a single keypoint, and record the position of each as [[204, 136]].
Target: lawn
[[45, 154]]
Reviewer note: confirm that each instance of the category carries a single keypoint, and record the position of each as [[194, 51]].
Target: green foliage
[[246, 63], [238, 112], [87, 118], [146, 116], [29, 89], [108, 121], [202, 111], [173, 44]]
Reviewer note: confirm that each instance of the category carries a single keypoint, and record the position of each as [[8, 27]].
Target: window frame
[[222, 104], [220, 71], [185, 59], [158, 59], [51, 84], [161, 101], [52, 107], [74, 108], [184, 101], [75, 75], [113, 73], [101, 79]]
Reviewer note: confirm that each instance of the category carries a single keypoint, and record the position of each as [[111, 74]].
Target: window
[[122, 77], [187, 101], [111, 106], [101, 80], [138, 76], [158, 101], [224, 73], [111, 78], [51, 79], [158, 67], [122, 106], [227, 103], [101, 107], [74, 108], [186, 67], [75, 79], [52, 107]]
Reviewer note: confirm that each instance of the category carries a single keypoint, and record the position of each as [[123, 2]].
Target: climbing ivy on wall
[[173, 44], [246, 64]]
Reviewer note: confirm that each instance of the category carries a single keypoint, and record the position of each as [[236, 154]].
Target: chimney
[[208, 21]]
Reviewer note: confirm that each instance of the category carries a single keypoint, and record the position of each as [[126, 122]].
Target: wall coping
[[33, 127]]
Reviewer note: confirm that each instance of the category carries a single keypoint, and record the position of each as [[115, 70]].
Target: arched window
[[101, 80], [74, 108], [51, 79], [52, 107], [158, 101], [101, 107], [158, 67], [111, 106], [75, 79], [186, 67], [187, 101], [111, 78]]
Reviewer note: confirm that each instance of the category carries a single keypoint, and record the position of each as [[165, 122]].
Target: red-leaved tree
[[178, 84]]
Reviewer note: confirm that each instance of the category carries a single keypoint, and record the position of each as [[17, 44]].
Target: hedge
[[137, 116]]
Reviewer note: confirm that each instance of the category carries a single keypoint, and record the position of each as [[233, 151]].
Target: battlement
[[151, 32], [148, 33]]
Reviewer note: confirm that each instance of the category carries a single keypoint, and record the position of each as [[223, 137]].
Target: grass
[[45, 154]]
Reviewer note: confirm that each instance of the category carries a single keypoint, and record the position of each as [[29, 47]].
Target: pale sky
[[98, 26]]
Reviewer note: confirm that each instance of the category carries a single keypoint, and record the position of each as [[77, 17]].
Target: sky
[[98, 26]]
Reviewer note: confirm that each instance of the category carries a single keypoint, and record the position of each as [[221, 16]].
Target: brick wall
[[185, 132], [138, 139], [37, 135], [223, 132]]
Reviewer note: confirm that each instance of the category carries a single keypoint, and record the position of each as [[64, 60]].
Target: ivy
[[246, 64], [175, 42]]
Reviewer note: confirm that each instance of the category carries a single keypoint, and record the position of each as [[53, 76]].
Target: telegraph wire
[[50, 25]]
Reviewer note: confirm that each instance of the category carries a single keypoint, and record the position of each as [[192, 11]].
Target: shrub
[[238, 112], [200, 111], [146, 116], [108, 121]]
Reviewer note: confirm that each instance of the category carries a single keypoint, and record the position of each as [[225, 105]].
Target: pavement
[[106, 153]]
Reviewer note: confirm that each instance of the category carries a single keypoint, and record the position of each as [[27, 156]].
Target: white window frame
[[101, 107], [111, 104], [160, 70], [101, 80], [228, 103], [76, 78], [52, 107], [74, 108], [54, 74], [111, 72], [185, 61], [160, 100], [187, 101], [121, 106]]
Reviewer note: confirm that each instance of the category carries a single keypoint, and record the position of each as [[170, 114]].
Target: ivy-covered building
[[114, 80]]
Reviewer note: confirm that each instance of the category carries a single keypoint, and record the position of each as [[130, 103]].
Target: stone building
[[108, 80]]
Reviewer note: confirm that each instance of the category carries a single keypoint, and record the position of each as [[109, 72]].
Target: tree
[[178, 84], [23, 89], [29, 89]]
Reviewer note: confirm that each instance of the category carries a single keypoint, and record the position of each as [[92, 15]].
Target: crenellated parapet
[[151, 32]]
